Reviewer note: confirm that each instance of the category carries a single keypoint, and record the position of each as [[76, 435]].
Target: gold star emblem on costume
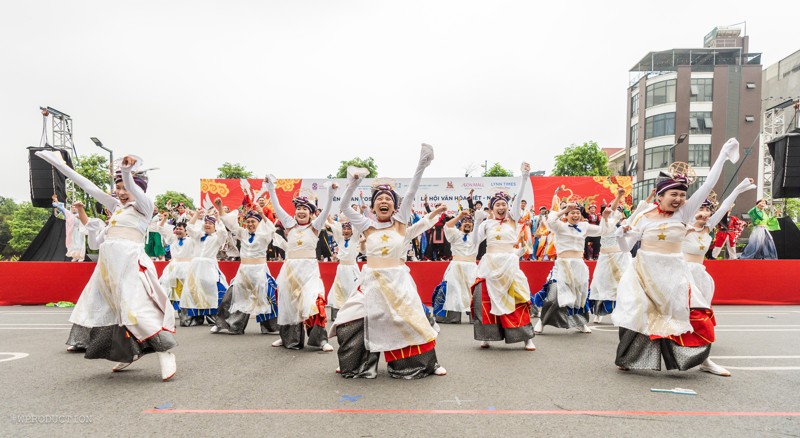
[[384, 251], [497, 229], [662, 236], [113, 222], [662, 227], [496, 237], [299, 243], [384, 238], [702, 247]]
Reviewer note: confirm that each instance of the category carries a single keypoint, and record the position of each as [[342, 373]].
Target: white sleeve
[[336, 229], [723, 208], [554, 223], [480, 235], [693, 204], [143, 204], [231, 221], [356, 219], [452, 234], [593, 230], [104, 198], [420, 227], [426, 156], [513, 211], [319, 222], [287, 221]]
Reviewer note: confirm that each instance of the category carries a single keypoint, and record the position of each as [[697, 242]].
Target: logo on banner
[[450, 185]]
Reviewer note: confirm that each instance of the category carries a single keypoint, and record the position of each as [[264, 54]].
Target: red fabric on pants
[[703, 323], [521, 315], [320, 318], [410, 351]]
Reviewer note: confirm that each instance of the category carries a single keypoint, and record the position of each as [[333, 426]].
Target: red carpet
[[737, 282]]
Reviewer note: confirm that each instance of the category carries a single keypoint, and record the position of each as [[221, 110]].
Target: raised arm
[[319, 222], [144, 204], [95, 192], [722, 210], [425, 158], [287, 221], [615, 203], [358, 220], [730, 151], [427, 222], [513, 210]]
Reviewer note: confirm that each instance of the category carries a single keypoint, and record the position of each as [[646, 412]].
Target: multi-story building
[[683, 104], [780, 97]]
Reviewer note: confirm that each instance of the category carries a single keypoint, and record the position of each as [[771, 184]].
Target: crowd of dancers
[[649, 276]]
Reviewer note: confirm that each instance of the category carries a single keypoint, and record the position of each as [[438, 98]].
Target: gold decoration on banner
[[212, 187], [612, 183], [287, 184]]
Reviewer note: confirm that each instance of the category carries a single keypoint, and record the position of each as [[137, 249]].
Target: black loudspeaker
[[45, 180], [786, 177]]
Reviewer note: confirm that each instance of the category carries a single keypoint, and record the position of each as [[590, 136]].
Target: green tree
[[792, 209], [95, 168], [233, 171], [26, 222], [174, 198], [497, 170], [7, 208], [583, 160], [368, 164]]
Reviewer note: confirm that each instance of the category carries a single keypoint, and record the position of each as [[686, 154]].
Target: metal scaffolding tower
[[773, 125], [61, 130]]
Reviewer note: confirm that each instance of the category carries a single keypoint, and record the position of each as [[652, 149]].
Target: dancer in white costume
[[611, 263], [205, 283], [453, 295], [501, 296], [694, 246], [386, 313], [76, 233], [653, 295], [347, 273], [564, 299], [123, 305], [182, 248], [301, 294], [249, 292]]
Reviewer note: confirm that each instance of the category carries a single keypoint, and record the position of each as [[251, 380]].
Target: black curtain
[[787, 240], [49, 245]]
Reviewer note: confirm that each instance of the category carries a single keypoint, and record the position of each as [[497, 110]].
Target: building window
[[634, 137], [700, 123], [695, 185], [658, 157], [634, 105], [642, 189], [662, 124], [633, 166], [701, 90], [700, 155], [661, 93]]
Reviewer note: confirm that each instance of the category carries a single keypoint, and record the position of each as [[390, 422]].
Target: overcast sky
[[294, 87]]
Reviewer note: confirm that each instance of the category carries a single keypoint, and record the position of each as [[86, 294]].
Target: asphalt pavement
[[241, 386]]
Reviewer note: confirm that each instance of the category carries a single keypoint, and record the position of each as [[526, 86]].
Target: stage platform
[[742, 282]]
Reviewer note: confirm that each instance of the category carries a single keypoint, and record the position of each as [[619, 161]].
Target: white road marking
[[36, 313], [14, 356]]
